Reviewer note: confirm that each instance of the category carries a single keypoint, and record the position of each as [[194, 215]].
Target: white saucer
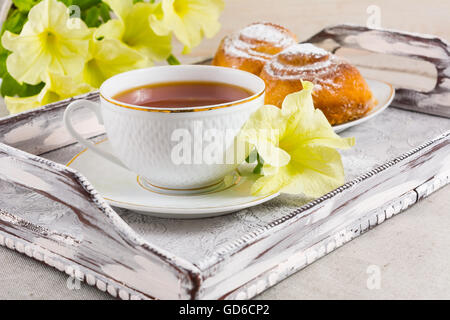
[[124, 189], [383, 92]]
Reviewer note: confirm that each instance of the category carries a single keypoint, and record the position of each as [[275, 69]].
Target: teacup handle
[[94, 107]]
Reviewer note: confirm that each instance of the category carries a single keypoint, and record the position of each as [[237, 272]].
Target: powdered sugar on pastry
[[339, 89], [268, 33], [304, 61], [258, 41]]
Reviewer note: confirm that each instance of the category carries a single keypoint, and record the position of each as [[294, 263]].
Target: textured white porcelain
[[141, 137]]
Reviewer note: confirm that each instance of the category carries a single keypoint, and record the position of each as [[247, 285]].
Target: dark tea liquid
[[183, 94]]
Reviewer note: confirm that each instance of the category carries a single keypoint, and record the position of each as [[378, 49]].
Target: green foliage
[[104, 12], [91, 17], [259, 166], [252, 157], [15, 21], [11, 87], [25, 5], [95, 15], [255, 157], [68, 3], [3, 55], [85, 4]]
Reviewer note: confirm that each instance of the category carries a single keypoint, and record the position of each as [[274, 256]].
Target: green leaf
[[11, 87], [105, 12], [255, 157], [15, 21], [68, 3], [172, 60], [136, 1], [25, 5], [92, 17], [85, 4], [96, 15], [3, 55], [259, 166], [252, 157]]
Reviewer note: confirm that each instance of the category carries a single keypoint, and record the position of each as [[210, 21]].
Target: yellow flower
[[50, 41], [297, 144], [132, 28], [57, 87], [190, 20]]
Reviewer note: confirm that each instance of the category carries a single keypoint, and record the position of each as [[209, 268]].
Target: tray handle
[[105, 246], [96, 109], [417, 46]]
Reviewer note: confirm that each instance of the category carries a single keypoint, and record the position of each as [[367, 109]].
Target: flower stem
[[259, 166], [172, 60]]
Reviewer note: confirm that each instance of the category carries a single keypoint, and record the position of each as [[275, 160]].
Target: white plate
[[383, 93], [124, 189]]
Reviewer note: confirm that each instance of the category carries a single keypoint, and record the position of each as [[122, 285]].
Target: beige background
[[411, 250], [308, 17]]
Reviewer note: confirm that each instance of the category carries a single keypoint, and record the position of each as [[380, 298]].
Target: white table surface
[[411, 250]]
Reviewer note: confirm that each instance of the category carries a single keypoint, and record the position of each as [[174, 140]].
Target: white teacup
[[148, 140]]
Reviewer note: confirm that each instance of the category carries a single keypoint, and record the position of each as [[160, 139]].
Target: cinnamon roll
[[250, 48], [340, 91]]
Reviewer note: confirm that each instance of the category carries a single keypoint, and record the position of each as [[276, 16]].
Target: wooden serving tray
[[52, 213]]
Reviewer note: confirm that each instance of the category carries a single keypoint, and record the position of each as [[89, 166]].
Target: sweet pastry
[[340, 91], [250, 48], [272, 52]]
